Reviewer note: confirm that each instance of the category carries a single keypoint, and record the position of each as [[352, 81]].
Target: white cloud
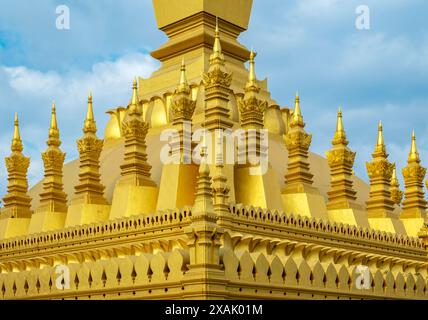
[[110, 82]]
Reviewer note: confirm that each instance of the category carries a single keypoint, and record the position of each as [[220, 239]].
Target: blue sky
[[307, 45]]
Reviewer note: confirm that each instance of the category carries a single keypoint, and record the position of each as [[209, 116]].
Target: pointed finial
[[54, 124], [183, 85], [380, 140], [53, 139], [251, 85], [90, 112], [135, 101], [217, 44], [394, 176], [16, 141], [297, 114], [252, 76], [134, 92], [89, 125], [339, 125], [16, 135], [340, 135], [413, 155]]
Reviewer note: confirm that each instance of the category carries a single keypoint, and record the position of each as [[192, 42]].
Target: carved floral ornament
[[341, 156], [253, 104], [414, 173], [17, 162], [53, 159], [183, 106], [382, 168], [298, 139], [135, 127], [216, 76], [90, 144]]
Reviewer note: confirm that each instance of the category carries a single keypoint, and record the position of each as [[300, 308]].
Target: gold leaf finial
[[414, 154], [89, 125], [340, 135], [380, 140], [54, 124], [217, 44], [90, 112], [297, 118], [135, 101], [53, 139], [183, 86], [252, 76], [16, 141]]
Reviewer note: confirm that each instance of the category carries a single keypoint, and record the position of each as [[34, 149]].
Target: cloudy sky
[[310, 46]]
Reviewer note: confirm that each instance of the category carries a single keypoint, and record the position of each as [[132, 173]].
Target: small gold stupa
[[241, 209]]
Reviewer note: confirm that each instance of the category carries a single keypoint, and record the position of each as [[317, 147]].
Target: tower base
[[13, 227], [86, 213], [348, 213], [129, 200], [176, 181], [256, 188], [43, 221], [412, 225], [304, 200]]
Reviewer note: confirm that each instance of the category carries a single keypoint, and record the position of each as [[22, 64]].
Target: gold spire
[[297, 118], [182, 109], [251, 87], [394, 180], [53, 198], [134, 105], [90, 113], [298, 141], [339, 125], [380, 140], [396, 193], [380, 148], [203, 197], [16, 141], [54, 124], [183, 86], [53, 139], [217, 57], [414, 204], [89, 189], [380, 170], [340, 135], [217, 81], [17, 202], [217, 44], [134, 92], [413, 155], [252, 76], [89, 125]]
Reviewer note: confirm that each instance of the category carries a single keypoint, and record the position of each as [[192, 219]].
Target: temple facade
[[231, 205]]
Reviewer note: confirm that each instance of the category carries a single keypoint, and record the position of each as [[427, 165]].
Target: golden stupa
[[121, 223]]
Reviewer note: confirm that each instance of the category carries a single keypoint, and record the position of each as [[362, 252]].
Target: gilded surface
[[210, 230]]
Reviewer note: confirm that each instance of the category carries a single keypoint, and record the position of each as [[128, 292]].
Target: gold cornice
[[201, 36]]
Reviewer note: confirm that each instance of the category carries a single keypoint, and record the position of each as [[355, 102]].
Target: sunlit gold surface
[[135, 228]]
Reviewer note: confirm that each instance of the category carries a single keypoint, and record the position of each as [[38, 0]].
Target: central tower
[[190, 27]]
